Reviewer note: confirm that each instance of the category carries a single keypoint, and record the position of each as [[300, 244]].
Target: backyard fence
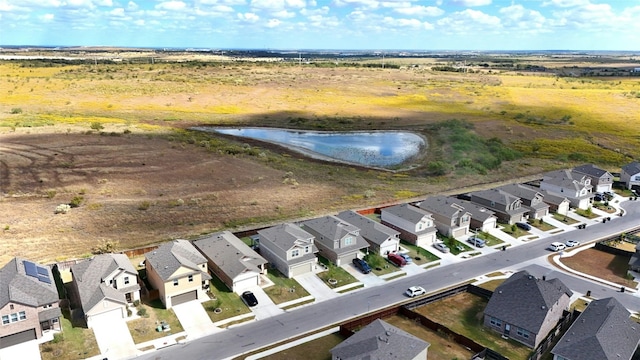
[[555, 334]]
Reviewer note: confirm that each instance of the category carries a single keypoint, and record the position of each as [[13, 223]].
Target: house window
[[307, 249], [419, 226], [22, 315], [190, 278], [126, 280], [175, 282], [496, 322], [5, 319], [11, 307], [54, 320], [14, 317], [295, 253], [348, 240], [46, 306], [522, 332]]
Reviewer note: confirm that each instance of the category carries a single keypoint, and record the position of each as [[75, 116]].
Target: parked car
[[396, 259], [556, 246], [249, 298], [406, 258], [572, 243], [476, 241], [598, 197], [442, 247], [523, 226], [362, 265], [415, 291]]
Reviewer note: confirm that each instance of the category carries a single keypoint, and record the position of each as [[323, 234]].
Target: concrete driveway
[[265, 308], [194, 319], [369, 279], [113, 337], [316, 287], [26, 350]]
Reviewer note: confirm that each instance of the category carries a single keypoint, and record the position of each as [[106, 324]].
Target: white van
[[556, 246]]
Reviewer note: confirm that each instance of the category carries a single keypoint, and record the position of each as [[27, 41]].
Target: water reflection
[[377, 149]]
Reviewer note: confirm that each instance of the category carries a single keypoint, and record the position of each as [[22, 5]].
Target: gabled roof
[[169, 257], [477, 212], [380, 340], [592, 170], [330, 227], [603, 331], [371, 230], [16, 286], [90, 276], [408, 212], [524, 300], [521, 191], [285, 235], [565, 179], [632, 168], [554, 199], [230, 254], [441, 205]]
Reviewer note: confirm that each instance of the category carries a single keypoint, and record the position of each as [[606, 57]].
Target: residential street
[[247, 337]]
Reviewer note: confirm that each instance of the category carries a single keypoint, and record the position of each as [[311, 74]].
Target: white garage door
[[300, 269], [239, 285], [105, 317], [183, 298]]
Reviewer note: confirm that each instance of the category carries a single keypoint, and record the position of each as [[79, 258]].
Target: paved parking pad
[[265, 308], [316, 287], [113, 337], [194, 319], [27, 350], [368, 280]]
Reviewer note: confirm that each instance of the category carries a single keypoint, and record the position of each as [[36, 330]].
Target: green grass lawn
[[604, 207], [226, 300], [380, 265], [284, 289], [586, 213], [144, 329], [541, 225], [335, 273], [489, 239], [419, 255], [456, 246], [72, 343], [514, 231], [565, 219]]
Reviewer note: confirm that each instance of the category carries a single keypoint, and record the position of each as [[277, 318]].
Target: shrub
[[105, 247], [76, 201], [62, 209], [97, 126], [16, 111], [136, 303], [144, 205], [142, 312]]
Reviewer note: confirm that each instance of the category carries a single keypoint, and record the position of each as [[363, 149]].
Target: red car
[[397, 259]]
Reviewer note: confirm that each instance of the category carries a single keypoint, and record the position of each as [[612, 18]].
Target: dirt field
[[601, 264]]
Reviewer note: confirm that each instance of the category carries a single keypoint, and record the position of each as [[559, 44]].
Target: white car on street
[[415, 291], [556, 246], [572, 243]]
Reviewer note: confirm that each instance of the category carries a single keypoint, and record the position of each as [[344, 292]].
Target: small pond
[[386, 149]]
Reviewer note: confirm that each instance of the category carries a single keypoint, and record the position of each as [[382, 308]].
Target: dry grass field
[[113, 137], [601, 264]]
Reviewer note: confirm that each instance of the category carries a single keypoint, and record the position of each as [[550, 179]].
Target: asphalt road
[[248, 337]]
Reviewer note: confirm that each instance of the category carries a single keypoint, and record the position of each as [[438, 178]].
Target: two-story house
[[232, 261], [601, 179], [450, 218], [382, 239], [28, 302], [604, 331], [532, 199], [482, 219], [178, 271], [558, 204], [103, 286], [337, 240], [630, 175], [525, 308], [415, 225], [574, 186], [507, 208], [289, 249]]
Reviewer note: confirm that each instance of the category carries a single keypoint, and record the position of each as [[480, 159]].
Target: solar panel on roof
[[42, 271], [44, 279], [30, 269]]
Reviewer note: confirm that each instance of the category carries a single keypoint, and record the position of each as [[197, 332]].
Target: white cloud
[[596, 17], [469, 21], [406, 23], [248, 17], [131, 6], [284, 14], [565, 3], [275, 5], [117, 12], [139, 22], [419, 10], [319, 11], [47, 17], [470, 3], [517, 16], [108, 3], [272, 23], [172, 5]]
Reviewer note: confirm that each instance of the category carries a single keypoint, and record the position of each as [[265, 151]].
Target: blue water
[[376, 148]]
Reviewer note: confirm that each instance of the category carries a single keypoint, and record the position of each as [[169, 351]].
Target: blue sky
[[326, 24]]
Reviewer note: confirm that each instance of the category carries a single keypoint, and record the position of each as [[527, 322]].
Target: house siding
[[30, 322]]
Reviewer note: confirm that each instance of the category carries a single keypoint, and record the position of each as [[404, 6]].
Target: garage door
[[17, 338], [244, 284], [460, 232], [300, 269], [183, 298], [106, 317]]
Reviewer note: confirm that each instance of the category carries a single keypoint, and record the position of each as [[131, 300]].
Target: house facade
[[232, 261], [289, 248], [525, 308], [532, 199], [630, 175], [450, 218], [601, 179], [380, 340], [178, 271], [382, 239], [482, 219], [574, 186], [103, 286], [415, 225], [506, 207], [28, 302], [337, 240], [604, 331], [557, 204]]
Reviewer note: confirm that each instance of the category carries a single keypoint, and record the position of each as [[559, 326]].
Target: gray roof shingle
[[371, 230], [408, 212], [632, 168], [442, 205], [332, 229], [478, 212], [284, 235], [170, 256], [16, 286], [380, 340], [524, 300], [230, 254], [592, 170], [603, 331]]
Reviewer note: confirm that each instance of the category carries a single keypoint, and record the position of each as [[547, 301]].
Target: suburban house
[[603, 331], [415, 225], [232, 261], [574, 186], [382, 239], [178, 271], [630, 175], [602, 180], [380, 340], [28, 302], [482, 219], [526, 308], [532, 199], [450, 218], [337, 240], [289, 249], [558, 204], [634, 262], [506, 207], [103, 286]]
